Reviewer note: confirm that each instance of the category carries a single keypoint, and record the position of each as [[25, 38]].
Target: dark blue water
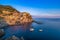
[[50, 27]]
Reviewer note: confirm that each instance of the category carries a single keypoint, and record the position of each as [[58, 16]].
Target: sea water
[[50, 30]]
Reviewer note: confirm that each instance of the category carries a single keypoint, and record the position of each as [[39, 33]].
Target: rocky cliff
[[13, 17]]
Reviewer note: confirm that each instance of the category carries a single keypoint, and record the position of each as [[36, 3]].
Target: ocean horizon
[[50, 27]]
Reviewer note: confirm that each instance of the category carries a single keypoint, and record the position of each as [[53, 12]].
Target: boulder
[[2, 32], [13, 38]]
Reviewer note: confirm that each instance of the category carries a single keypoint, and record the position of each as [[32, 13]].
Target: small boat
[[40, 30], [31, 29]]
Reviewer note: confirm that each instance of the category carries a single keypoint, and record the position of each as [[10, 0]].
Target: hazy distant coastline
[[37, 16]]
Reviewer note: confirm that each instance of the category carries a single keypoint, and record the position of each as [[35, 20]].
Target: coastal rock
[[3, 24], [13, 38], [2, 32], [14, 17]]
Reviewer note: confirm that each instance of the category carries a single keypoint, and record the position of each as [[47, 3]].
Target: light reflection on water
[[51, 30]]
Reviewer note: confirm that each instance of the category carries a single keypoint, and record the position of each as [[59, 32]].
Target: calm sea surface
[[50, 27]]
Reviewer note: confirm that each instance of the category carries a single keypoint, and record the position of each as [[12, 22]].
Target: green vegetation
[[9, 8], [1, 18], [6, 8]]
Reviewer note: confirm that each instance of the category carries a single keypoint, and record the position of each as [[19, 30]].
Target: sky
[[39, 8]]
